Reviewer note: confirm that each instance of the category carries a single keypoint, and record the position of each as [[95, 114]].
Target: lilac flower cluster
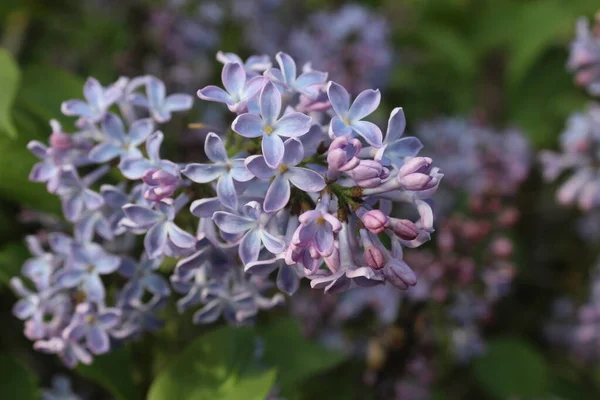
[[476, 158], [352, 43], [302, 185], [65, 303], [579, 152], [584, 60]]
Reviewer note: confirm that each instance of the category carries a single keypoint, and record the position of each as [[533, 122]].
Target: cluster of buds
[[301, 186]]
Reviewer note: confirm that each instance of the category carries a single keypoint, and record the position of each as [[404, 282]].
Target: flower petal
[[270, 103], [104, 152], [97, 340], [142, 216], [339, 98], [153, 146], [155, 240], [248, 125], [293, 124], [133, 168], [278, 194], [178, 102], [369, 131], [140, 130], [77, 108], [273, 150], [287, 66], [364, 104], [94, 288], [234, 78], [239, 172], [396, 125], [215, 149], [305, 179], [287, 280], [203, 173], [231, 223], [250, 246], [179, 237], [272, 243], [226, 191], [214, 93], [258, 167], [209, 313], [294, 152], [113, 128]]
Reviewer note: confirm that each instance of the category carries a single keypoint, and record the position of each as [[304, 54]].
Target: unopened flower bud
[[60, 140], [502, 247], [405, 229], [375, 221], [374, 257], [369, 173], [399, 274]]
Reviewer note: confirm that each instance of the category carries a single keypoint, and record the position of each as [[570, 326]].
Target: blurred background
[[505, 307]]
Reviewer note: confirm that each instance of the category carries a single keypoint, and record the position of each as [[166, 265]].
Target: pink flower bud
[[375, 221], [405, 229], [60, 140], [502, 247], [374, 257], [415, 165]]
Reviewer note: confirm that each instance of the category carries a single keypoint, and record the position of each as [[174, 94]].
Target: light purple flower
[[395, 147], [238, 91], [116, 143], [161, 230], [252, 224], [307, 83], [84, 267], [278, 194], [269, 126], [75, 195], [348, 119], [317, 228], [224, 169], [98, 99], [160, 105], [93, 326], [142, 278], [254, 65]]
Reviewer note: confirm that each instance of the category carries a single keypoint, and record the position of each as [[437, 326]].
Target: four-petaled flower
[[253, 224], [308, 83], [278, 193], [161, 230], [237, 91], [116, 143], [93, 326], [224, 169], [348, 117], [99, 100], [269, 126]]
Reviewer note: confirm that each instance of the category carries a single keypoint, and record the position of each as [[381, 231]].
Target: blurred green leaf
[[16, 381], [295, 357], [447, 45], [12, 256], [537, 26], [44, 89], [113, 371], [512, 368], [9, 82], [216, 366]]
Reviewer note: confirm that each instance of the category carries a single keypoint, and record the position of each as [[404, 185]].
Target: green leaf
[[295, 357], [512, 368], [45, 88], [217, 366], [9, 82], [12, 256], [17, 381], [113, 371]]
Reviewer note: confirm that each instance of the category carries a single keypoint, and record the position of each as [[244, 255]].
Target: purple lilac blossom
[[262, 205], [584, 59]]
